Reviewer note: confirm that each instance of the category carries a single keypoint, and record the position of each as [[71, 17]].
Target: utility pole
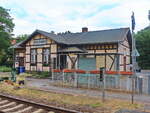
[[133, 67], [133, 57]]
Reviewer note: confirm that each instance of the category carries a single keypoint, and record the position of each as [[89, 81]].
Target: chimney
[[13, 42], [84, 29]]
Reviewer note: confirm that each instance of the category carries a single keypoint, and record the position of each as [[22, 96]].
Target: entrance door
[[21, 61], [63, 61]]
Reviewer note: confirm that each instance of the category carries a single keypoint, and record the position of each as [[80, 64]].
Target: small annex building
[[86, 50]]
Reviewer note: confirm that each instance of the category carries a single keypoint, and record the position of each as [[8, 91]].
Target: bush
[[5, 69], [41, 74], [9, 64]]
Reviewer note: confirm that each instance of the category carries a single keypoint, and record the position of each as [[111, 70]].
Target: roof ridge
[[96, 31], [85, 32]]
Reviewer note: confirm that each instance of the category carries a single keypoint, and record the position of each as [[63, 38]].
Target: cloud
[[63, 15]]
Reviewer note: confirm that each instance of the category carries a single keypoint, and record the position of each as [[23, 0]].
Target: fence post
[[149, 84], [63, 79], [75, 79], [140, 85], [103, 83], [88, 81]]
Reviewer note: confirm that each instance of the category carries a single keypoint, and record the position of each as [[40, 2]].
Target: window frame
[[45, 63], [34, 58]]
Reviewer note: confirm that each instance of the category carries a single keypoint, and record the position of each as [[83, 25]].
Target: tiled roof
[[17, 45], [102, 36], [91, 37]]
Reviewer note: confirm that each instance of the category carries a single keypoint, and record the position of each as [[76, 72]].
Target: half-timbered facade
[[87, 50]]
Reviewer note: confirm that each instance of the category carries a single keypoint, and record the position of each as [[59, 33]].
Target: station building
[[87, 50]]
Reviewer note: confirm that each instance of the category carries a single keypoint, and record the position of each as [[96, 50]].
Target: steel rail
[[37, 105]]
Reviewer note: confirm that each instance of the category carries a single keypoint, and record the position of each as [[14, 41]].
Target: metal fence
[[112, 82]]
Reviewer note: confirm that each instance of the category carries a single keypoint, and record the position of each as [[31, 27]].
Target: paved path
[[43, 84]]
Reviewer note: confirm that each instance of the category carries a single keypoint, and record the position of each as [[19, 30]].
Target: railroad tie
[[38, 111], [7, 105], [13, 108], [24, 110], [3, 101]]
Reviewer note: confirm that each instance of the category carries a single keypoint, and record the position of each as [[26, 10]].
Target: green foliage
[[143, 46], [46, 64], [6, 20], [4, 44], [22, 37], [5, 69], [6, 27]]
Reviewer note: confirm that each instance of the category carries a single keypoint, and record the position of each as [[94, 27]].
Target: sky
[[72, 15]]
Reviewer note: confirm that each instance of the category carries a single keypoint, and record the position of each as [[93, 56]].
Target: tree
[[6, 28], [6, 24], [21, 37], [143, 46]]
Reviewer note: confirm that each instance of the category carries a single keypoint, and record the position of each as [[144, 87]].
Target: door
[[63, 61], [21, 61]]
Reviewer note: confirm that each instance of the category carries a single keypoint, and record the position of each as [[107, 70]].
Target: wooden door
[[21, 61]]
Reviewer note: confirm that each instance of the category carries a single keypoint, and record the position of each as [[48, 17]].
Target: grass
[[99, 104], [41, 74], [5, 69], [73, 100]]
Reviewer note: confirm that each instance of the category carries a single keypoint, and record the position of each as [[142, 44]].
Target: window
[[54, 66], [114, 46], [99, 47], [40, 41], [91, 47], [46, 53], [106, 46], [33, 56], [110, 46], [95, 47], [87, 47]]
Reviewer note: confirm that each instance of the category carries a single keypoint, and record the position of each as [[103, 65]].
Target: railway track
[[9, 104]]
